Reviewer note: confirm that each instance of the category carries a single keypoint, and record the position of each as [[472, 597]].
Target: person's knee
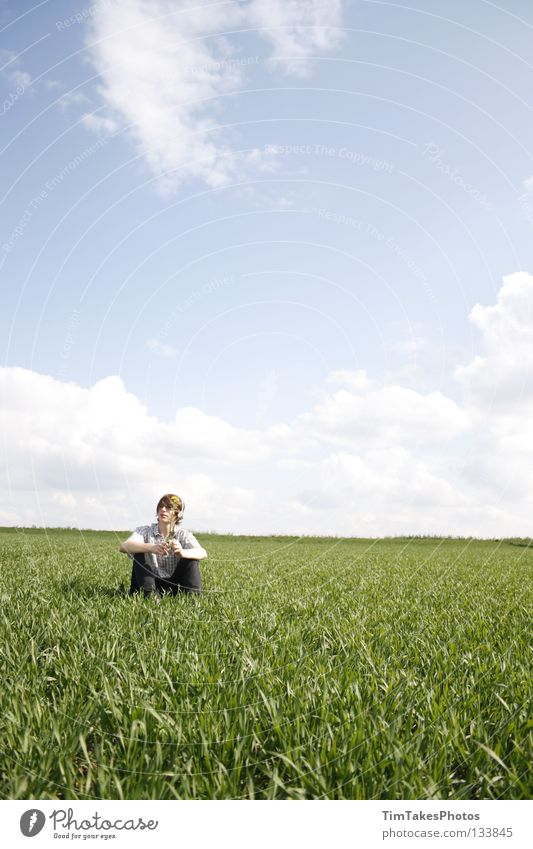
[[142, 576], [187, 577]]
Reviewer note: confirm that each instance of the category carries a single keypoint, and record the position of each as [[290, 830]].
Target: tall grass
[[307, 669]]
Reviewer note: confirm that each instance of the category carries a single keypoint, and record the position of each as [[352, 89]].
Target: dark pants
[[186, 578]]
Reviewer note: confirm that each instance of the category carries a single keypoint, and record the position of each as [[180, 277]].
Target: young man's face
[[164, 513]]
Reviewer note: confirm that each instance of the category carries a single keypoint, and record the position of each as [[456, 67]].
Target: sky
[[275, 256]]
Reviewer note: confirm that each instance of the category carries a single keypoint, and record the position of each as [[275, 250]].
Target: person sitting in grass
[[165, 557]]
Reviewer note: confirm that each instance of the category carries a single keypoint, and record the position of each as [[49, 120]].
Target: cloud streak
[[165, 69]]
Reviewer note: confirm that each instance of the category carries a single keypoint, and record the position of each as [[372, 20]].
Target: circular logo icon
[[32, 822]]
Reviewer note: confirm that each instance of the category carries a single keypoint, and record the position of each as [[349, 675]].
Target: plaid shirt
[[162, 565]]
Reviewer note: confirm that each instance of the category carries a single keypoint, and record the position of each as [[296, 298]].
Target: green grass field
[[312, 668]]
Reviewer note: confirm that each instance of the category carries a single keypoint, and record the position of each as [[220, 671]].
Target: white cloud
[[197, 435], [357, 380], [11, 69], [93, 456], [103, 125], [166, 65], [70, 99], [391, 413], [161, 348], [298, 30], [366, 459], [392, 487], [504, 373], [498, 387], [160, 78], [20, 78], [410, 346]]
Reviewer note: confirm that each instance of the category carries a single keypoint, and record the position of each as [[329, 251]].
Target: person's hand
[[158, 548], [176, 548]]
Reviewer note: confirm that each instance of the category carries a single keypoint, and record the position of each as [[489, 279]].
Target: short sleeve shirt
[[163, 566]]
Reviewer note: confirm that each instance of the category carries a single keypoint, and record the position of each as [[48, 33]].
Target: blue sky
[[254, 252]]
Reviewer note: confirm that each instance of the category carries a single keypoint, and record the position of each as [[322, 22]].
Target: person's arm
[[136, 545], [197, 553], [192, 551]]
